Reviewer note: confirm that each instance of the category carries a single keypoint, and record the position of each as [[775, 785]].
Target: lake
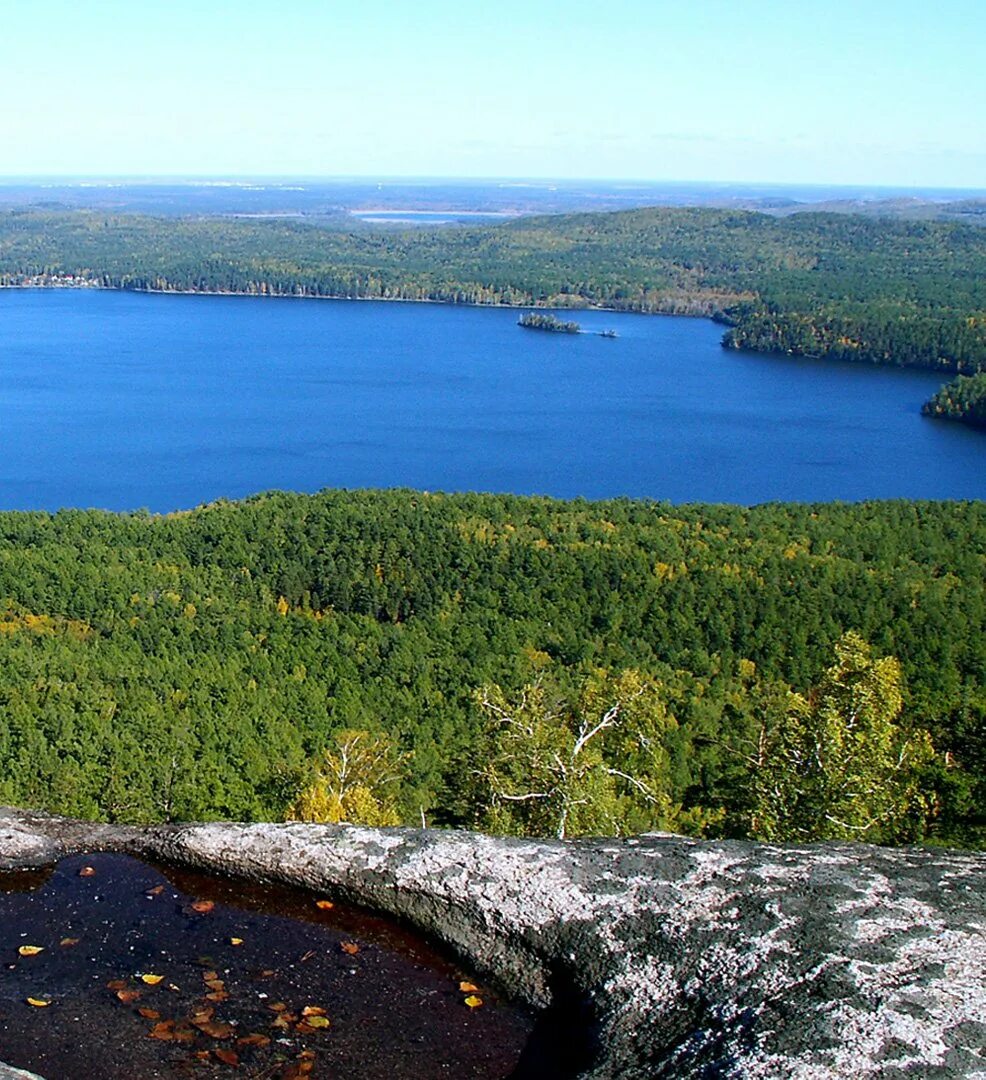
[[124, 401]]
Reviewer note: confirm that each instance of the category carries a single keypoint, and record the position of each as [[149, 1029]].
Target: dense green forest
[[209, 663], [964, 398], [832, 285]]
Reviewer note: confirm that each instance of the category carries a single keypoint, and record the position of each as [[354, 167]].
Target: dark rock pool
[[113, 968]]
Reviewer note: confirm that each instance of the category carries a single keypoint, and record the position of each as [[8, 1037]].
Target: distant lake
[[124, 401], [430, 217]]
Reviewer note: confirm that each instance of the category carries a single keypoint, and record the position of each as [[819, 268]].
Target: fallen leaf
[[68, 942], [156, 891], [38, 1003], [304, 1028], [31, 950], [152, 980], [128, 996], [87, 871], [318, 1021], [201, 1015], [468, 988], [227, 1057], [312, 1010], [164, 1031], [253, 1040], [349, 947], [236, 941], [116, 984], [207, 975], [282, 1022], [217, 995], [267, 973], [149, 1014], [307, 956], [278, 1006], [215, 984], [325, 905], [473, 1002], [215, 1029], [203, 907]]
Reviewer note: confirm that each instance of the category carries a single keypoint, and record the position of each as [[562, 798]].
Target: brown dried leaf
[[116, 984], [156, 891], [87, 871], [202, 907], [227, 1057], [149, 1014], [207, 975], [128, 997], [68, 942], [468, 988], [217, 995], [254, 1039], [215, 1029], [312, 1010], [215, 984], [324, 905], [349, 947], [164, 1031]]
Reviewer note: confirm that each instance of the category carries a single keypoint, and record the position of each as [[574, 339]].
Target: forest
[[964, 398], [841, 286], [520, 664]]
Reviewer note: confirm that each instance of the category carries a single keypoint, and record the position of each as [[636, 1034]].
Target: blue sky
[[864, 92]]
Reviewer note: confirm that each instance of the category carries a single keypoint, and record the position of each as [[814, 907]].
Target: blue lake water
[[125, 401]]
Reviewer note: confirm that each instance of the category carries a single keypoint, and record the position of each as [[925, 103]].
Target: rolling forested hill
[[191, 665]]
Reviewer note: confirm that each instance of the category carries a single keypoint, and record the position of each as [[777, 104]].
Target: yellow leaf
[[30, 950], [317, 1021], [151, 980], [473, 1002], [236, 941], [38, 1003]]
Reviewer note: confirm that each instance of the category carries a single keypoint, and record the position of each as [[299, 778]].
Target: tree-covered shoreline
[[830, 285], [196, 665], [962, 399]]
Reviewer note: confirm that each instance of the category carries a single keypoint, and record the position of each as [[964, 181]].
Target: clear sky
[[842, 91]]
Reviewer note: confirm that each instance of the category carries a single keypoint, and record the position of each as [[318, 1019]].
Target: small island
[[962, 399], [554, 325]]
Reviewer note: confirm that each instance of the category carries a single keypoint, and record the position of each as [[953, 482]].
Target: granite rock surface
[[666, 957]]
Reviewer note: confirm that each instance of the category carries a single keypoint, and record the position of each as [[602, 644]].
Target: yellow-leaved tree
[[356, 780]]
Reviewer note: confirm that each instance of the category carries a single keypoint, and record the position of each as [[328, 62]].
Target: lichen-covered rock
[[685, 958]]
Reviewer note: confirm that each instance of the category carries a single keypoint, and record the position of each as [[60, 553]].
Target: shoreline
[[95, 287]]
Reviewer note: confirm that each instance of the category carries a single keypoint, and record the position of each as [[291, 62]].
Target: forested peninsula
[[453, 652], [964, 398], [839, 286]]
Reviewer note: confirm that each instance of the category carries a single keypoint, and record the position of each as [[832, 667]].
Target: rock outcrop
[[665, 957]]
